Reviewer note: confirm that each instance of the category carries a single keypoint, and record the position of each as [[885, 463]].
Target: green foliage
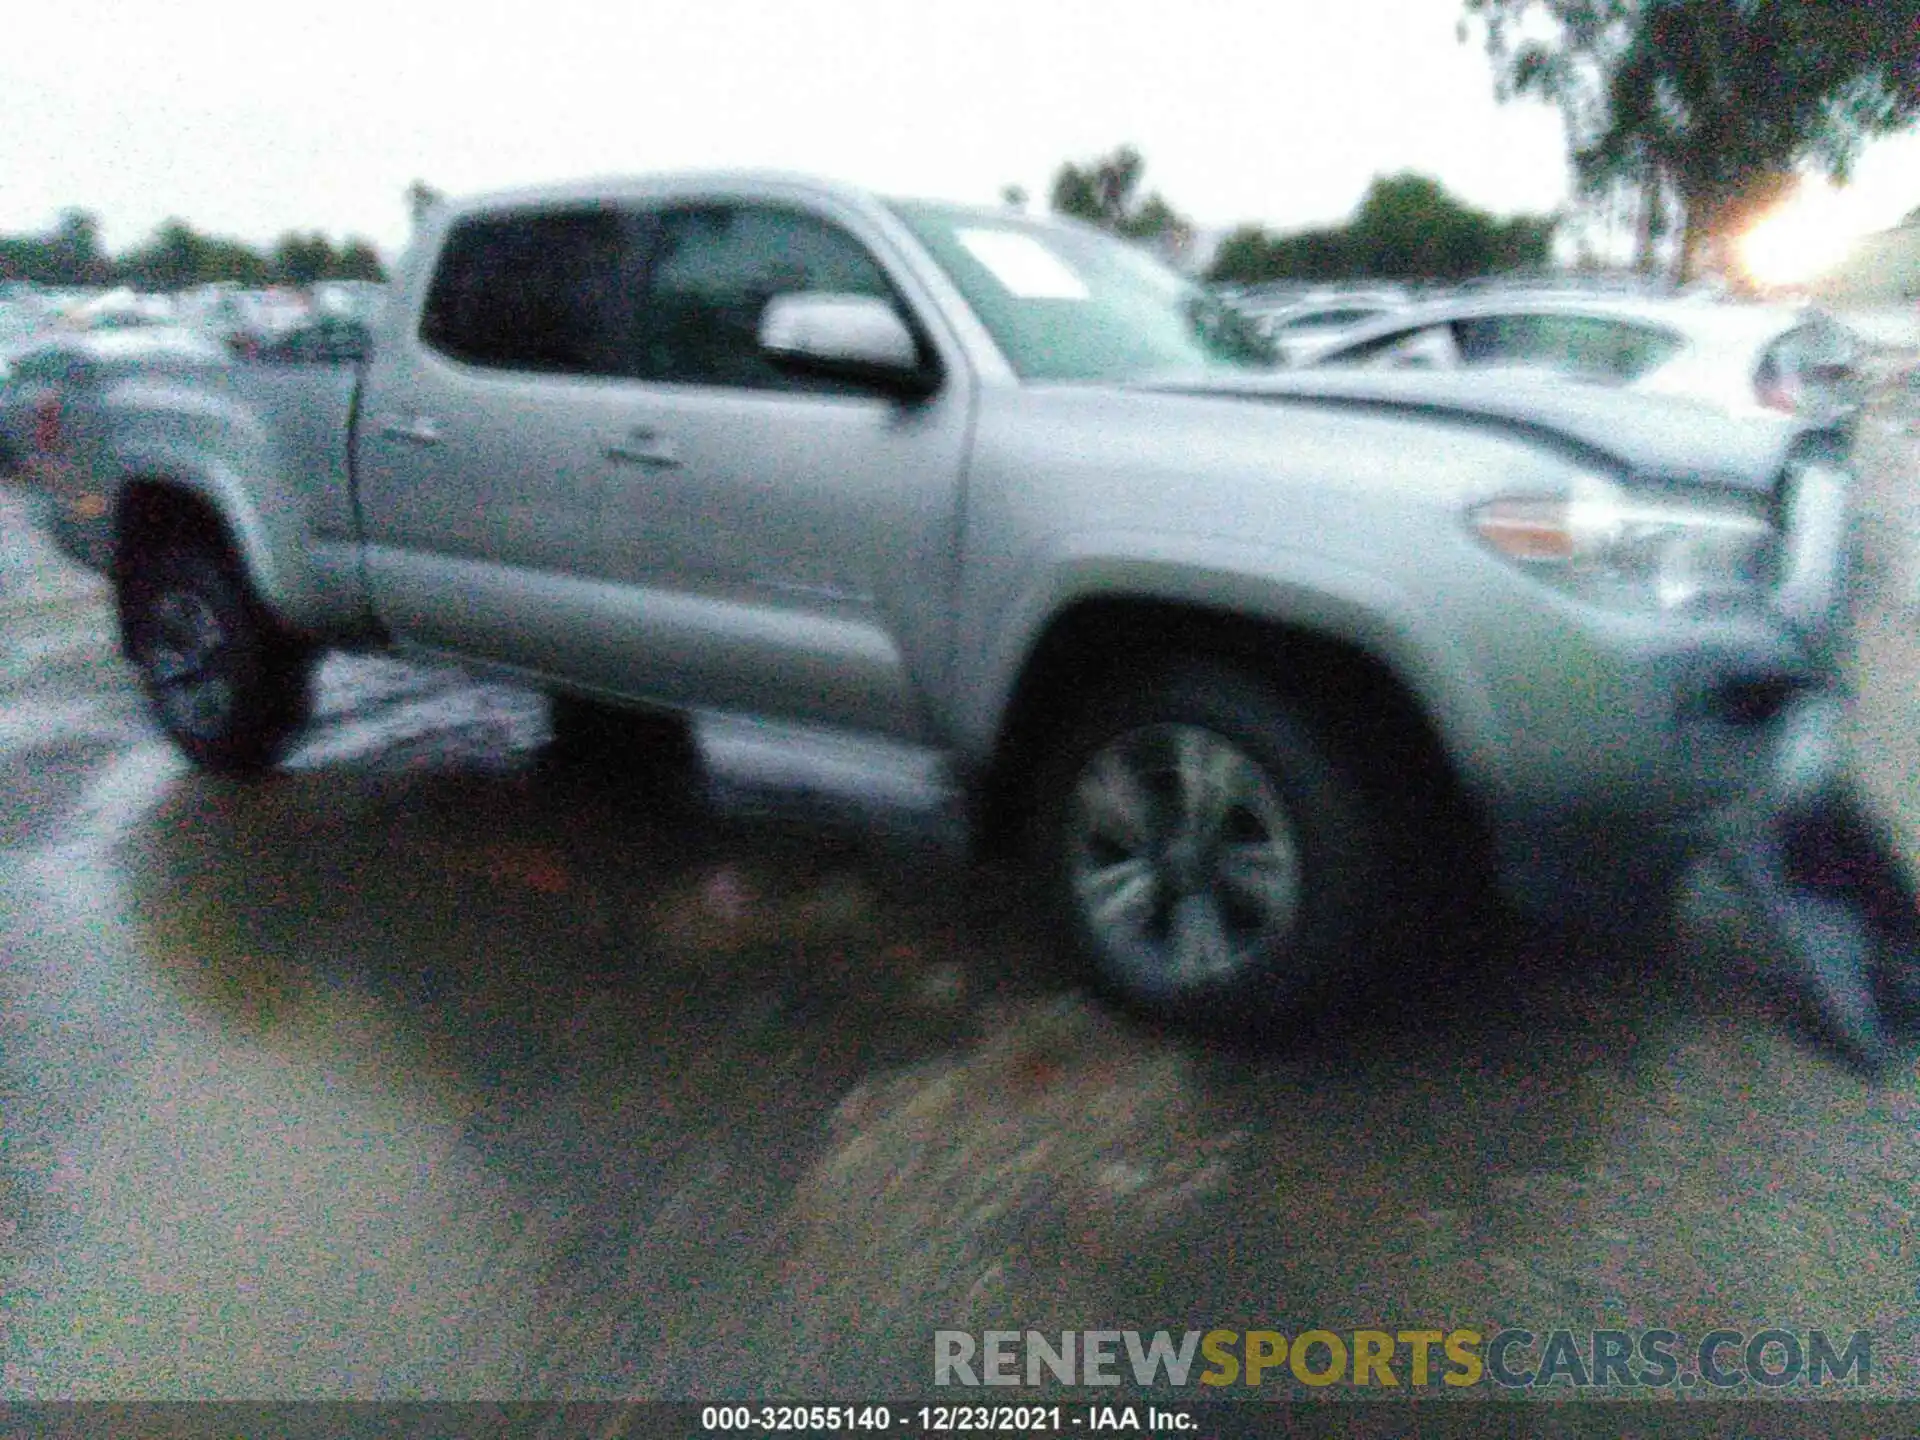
[[1105, 192], [421, 200], [1716, 103], [69, 255], [176, 256], [1407, 227], [1252, 255], [302, 259], [358, 260]]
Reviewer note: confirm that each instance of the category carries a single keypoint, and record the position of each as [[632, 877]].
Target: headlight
[[1613, 547]]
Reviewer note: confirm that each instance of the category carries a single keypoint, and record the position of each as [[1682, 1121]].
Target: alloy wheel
[[184, 655], [1182, 858]]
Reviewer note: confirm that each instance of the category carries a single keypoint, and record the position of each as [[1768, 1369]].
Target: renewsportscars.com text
[[1768, 1359]]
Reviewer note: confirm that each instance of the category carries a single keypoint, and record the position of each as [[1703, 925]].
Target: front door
[[792, 542]]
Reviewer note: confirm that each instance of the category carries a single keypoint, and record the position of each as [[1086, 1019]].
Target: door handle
[[419, 431], [645, 447]]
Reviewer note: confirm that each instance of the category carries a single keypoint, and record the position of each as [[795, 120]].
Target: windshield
[[1065, 303]]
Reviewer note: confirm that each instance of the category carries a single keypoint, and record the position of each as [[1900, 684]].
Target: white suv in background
[[1737, 357]]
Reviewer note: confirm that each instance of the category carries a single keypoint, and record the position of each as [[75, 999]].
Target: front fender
[[1296, 589]]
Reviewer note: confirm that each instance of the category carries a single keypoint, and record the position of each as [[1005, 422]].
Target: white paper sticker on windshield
[[1027, 269]]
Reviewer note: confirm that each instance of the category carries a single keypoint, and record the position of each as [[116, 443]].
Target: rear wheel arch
[[151, 509], [245, 678], [221, 510], [154, 511]]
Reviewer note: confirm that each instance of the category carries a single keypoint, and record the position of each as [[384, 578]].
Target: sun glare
[[1805, 237]]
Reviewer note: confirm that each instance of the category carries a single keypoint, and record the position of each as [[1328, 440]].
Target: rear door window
[[545, 292]]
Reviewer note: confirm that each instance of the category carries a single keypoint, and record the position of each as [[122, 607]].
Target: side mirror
[[844, 337]]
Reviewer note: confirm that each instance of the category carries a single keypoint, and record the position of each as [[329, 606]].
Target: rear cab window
[[1318, 319]]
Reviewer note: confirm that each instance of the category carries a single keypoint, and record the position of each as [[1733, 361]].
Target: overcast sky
[[252, 119]]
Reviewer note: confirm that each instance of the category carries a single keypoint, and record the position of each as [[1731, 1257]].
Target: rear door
[[483, 437]]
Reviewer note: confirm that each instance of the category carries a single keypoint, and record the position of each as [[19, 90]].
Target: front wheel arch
[[1362, 707]]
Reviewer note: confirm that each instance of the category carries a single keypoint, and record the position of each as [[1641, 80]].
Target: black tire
[[1282, 960], [229, 686]]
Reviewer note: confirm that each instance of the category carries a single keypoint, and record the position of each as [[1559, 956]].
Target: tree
[[1252, 255], [422, 199], [303, 259], [1711, 108], [1104, 192], [69, 254], [358, 260], [178, 256], [1409, 227], [1014, 197], [171, 260], [75, 249], [230, 260], [1406, 227], [1563, 52]]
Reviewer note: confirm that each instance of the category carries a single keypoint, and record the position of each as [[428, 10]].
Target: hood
[[1652, 437]]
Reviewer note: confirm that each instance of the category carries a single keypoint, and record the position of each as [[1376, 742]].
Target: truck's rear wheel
[[226, 683], [1207, 855]]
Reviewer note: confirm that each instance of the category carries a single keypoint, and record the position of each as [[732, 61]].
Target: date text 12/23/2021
[[944, 1419]]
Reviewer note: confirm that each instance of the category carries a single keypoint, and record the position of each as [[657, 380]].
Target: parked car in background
[[23, 325], [349, 299], [324, 340], [244, 320], [1736, 357], [20, 324], [120, 309], [1308, 324]]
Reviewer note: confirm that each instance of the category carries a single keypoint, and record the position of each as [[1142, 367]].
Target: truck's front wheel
[[1208, 856], [226, 683]]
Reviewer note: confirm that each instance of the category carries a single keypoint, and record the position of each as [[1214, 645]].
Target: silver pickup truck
[[1238, 653]]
